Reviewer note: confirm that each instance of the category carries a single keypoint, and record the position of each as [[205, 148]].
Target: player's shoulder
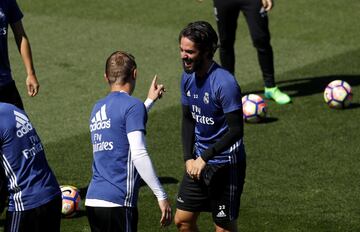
[[136, 102], [124, 100], [222, 77], [185, 77], [6, 108], [10, 115], [219, 73], [223, 81], [186, 80]]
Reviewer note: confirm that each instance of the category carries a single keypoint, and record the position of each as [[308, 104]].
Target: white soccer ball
[[70, 200], [254, 108], [338, 94]]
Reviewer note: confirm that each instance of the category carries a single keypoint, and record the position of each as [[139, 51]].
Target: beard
[[190, 65]]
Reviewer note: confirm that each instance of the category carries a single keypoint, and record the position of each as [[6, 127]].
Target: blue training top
[[115, 178], [30, 181], [9, 13], [209, 100]]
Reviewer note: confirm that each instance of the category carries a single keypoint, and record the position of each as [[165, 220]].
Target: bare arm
[[23, 45]]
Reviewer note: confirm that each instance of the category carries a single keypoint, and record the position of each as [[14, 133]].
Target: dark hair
[[203, 35], [119, 67]]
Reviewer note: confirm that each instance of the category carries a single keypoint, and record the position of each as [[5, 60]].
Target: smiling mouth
[[187, 63]]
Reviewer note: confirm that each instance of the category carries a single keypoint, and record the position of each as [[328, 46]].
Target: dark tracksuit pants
[[226, 13], [10, 94]]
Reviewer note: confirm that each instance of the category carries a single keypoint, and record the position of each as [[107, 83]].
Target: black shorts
[[10, 94], [218, 191], [44, 218], [112, 219]]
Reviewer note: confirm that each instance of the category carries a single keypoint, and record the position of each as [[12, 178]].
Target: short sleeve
[[184, 89], [14, 13], [229, 94], [136, 118]]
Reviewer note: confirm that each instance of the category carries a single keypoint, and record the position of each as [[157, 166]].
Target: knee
[[181, 224], [262, 43], [184, 225], [177, 221], [227, 44], [226, 226]]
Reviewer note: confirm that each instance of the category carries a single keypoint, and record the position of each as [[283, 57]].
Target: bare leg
[[227, 227], [185, 221]]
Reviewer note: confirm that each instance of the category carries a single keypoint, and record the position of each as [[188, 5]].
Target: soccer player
[[10, 14], [35, 196], [255, 12], [117, 126], [212, 132]]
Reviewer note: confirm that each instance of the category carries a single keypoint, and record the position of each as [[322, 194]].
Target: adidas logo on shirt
[[100, 120], [22, 124]]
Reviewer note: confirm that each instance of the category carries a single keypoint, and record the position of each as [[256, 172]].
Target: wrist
[[207, 155], [187, 158], [149, 103], [162, 197]]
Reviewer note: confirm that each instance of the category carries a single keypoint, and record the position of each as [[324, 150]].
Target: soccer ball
[[338, 94], [70, 200], [254, 108]]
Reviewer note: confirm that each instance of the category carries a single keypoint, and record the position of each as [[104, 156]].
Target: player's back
[[112, 118], [31, 182]]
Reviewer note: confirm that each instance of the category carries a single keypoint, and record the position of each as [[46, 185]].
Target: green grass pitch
[[303, 163]]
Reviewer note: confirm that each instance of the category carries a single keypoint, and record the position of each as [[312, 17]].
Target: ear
[[106, 78], [134, 74]]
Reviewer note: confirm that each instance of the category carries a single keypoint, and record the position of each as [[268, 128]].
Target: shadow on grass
[[266, 120], [339, 67], [311, 85], [353, 106]]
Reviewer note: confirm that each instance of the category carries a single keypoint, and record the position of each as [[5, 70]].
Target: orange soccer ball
[[70, 200]]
